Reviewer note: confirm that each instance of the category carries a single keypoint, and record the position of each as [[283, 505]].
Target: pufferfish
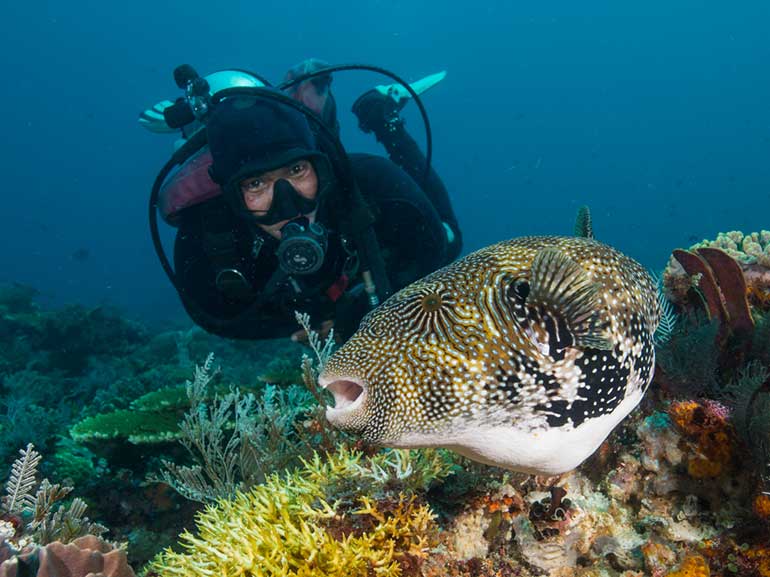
[[524, 355]]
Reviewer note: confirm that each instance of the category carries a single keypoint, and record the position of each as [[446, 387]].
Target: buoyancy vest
[[188, 186]]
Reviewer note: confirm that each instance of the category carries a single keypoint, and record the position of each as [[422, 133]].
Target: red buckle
[[338, 288]]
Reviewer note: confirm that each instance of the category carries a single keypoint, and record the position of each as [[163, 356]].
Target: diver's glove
[[378, 112]]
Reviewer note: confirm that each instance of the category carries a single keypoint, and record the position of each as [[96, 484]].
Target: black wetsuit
[[409, 230], [404, 151]]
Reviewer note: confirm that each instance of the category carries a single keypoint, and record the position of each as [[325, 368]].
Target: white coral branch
[[22, 481]]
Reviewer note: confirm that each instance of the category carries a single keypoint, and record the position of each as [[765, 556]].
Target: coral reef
[[724, 357], [36, 539], [61, 366], [680, 488], [235, 439], [751, 252], [706, 424], [647, 513]]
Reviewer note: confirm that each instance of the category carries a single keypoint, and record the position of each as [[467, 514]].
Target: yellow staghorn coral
[[302, 525]]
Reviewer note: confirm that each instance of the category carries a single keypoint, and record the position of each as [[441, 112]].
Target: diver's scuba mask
[[287, 203]]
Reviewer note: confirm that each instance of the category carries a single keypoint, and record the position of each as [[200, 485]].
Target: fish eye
[[431, 302], [521, 289]]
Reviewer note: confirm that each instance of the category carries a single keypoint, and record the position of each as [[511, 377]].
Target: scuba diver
[[274, 216]]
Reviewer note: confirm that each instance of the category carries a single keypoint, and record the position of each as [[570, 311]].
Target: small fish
[[80, 255], [525, 355]]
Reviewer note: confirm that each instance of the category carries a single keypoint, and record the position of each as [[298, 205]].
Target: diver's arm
[[404, 151], [210, 309], [379, 114], [408, 227], [409, 232]]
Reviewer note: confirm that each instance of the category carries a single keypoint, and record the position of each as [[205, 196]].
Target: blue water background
[[656, 114]]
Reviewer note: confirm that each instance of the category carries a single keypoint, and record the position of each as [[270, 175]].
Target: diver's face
[[257, 190]]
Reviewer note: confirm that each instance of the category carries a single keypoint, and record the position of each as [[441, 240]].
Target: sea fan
[[21, 482], [235, 440], [668, 318], [46, 526]]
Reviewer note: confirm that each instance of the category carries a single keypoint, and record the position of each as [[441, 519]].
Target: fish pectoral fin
[[566, 299]]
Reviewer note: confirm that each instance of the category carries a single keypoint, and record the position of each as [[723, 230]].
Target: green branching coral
[[749, 248], [152, 418], [299, 525]]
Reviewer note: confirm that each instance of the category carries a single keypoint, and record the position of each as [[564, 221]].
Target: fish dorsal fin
[[583, 225], [566, 299]]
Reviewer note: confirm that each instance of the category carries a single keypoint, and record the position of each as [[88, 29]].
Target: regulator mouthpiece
[[302, 248]]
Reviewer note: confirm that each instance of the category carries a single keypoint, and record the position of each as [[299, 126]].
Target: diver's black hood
[[249, 136], [252, 135]]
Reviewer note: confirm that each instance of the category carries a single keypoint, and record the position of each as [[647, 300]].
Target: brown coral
[[86, 556], [692, 566], [759, 297], [722, 284], [705, 424], [761, 506], [761, 556], [657, 557], [699, 275], [732, 286]]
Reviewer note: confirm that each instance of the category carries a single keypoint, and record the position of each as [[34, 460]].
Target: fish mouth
[[349, 394]]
